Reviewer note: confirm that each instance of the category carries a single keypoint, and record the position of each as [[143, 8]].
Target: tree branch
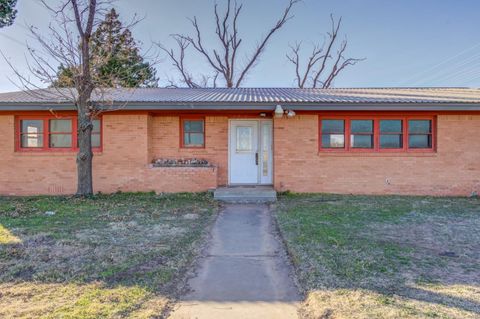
[[178, 61], [259, 50], [222, 60], [318, 70]]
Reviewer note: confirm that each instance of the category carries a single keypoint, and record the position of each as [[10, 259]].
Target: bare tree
[[323, 64], [178, 61], [68, 44], [222, 60]]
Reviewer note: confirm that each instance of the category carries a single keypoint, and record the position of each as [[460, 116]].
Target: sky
[[404, 42]]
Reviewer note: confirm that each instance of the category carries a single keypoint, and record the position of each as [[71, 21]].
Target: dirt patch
[[190, 216], [451, 241]]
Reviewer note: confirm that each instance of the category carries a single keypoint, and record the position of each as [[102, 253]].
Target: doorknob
[[256, 158]]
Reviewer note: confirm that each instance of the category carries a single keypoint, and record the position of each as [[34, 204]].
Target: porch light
[[279, 111], [291, 113]]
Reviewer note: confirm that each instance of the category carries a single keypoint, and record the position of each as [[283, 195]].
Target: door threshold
[[248, 185]]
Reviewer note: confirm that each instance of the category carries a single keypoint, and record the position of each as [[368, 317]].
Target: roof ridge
[[276, 88], [432, 88]]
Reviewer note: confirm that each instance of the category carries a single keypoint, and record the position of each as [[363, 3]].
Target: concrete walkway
[[244, 273]]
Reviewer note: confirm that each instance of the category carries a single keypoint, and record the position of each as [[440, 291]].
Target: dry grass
[[69, 300], [384, 256], [110, 256], [366, 304]]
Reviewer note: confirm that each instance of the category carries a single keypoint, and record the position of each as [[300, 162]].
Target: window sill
[[192, 147], [50, 153], [377, 154]]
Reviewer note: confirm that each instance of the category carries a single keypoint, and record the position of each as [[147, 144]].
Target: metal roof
[[243, 98]]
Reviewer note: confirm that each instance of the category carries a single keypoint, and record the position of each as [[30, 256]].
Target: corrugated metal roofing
[[258, 96]]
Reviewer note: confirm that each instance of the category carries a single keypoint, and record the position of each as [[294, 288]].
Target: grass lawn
[[111, 256], [384, 256]]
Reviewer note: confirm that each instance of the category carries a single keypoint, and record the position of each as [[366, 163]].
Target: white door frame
[[260, 143]]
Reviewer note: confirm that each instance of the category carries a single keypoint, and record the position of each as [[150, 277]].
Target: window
[[31, 134], [361, 134], [193, 133], [60, 133], [377, 133], [244, 139], [419, 133], [96, 133], [52, 133], [391, 134], [333, 134]]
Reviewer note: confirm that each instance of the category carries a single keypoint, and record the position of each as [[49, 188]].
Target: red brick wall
[[122, 165], [132, 141], [32, 173], [166, 142], [453, 170]]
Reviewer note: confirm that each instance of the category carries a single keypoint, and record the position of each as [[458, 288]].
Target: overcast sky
[[405, 42]]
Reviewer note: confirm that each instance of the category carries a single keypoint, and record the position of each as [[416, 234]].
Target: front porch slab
[[246, 194]]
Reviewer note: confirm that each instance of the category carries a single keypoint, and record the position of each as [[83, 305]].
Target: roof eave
[[268, 106]]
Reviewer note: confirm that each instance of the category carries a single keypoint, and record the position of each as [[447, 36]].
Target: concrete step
[[246, 194]]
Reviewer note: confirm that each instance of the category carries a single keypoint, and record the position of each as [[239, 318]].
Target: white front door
[[250, 152]]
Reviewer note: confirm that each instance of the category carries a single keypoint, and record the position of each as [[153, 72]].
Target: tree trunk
[[85, 154], [85, 88]]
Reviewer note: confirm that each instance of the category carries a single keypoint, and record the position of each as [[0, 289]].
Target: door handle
[[256, 158]]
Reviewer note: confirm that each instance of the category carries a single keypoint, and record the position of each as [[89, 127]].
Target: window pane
[[96, 126], [419, 126], [96, 140], [193, 126], [390, 126], [60, 126], [32, 126], [32, 133], [60, 140], [193, 139], [244, 139], [391, 141], [420, 141], [196, 138], [333, 126], [362, 126], [32, 140], [333, 141], [361, 141]]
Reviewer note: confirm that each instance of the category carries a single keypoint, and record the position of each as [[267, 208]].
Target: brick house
[[361, 141]]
